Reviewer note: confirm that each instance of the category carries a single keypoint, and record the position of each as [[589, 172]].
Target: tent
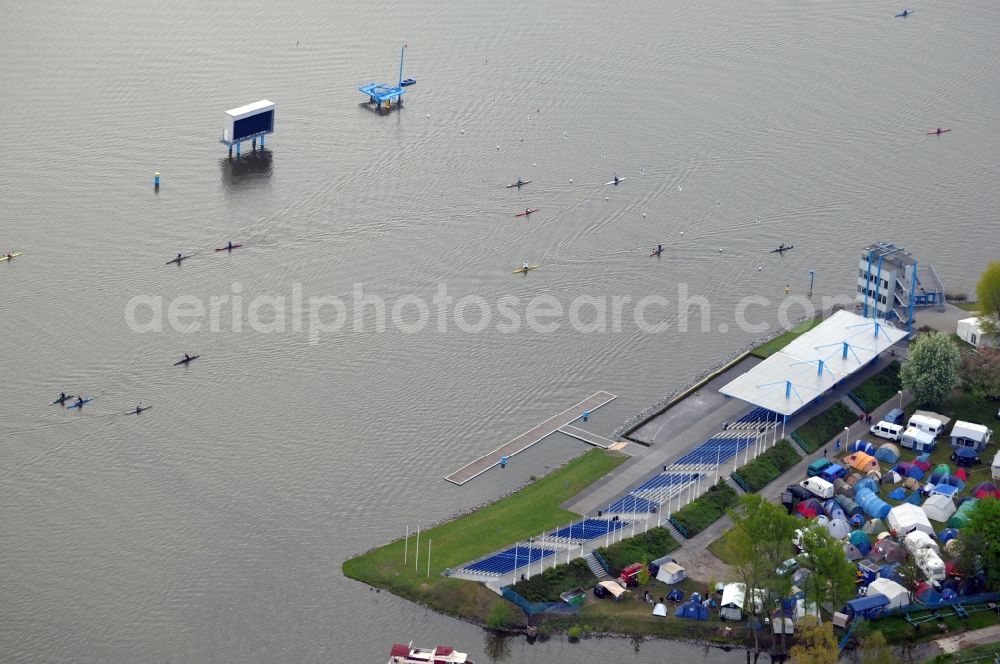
[[941, 469], [919, 540], [660, 610], [865, 484], [842, 488], [613, 587], [951, 546], [856, 521], [873, 506], [939, 508], [848, 505], [692, 610], [911, 484], [874, 526], [888, 551], [899, 493], [822, 519], [857, 537], [853, 478], [914, 499], [909, 470], [867, 607], [961, 474], [995, 467], [838, 528], [938, 478], [803, 609], [861, 461], [965, 456], [861, 446], [671, 573], [731, 605], [897, 595], [809, 508], [875, 475], [961, 516], [892, 477], [888, 453], [923, 462], [947, 535], [906, 518], [833, 510], [985, 490], [944, 490], [852, 552]]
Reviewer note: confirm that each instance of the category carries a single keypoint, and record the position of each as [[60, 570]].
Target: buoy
[[571, 180], [759, 269], [535, 164], [607, 198], [498, 147], [643, 215], [680, 188], [156, 179], [682, 232], [720, 250], [428, 115], [463, 131]]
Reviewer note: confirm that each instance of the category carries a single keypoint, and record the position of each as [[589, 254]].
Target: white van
[[885, 430], [917, 440], [929, 425], [818, 487]]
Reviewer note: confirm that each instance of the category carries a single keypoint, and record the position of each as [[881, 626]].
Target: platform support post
[[237, 150], [262, 143], [230, 150], [253, 145]]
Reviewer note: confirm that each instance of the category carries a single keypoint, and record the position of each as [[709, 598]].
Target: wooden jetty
[[529, 438]]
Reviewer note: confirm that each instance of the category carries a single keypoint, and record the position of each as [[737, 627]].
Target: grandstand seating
[[588, 529], [509, 560]]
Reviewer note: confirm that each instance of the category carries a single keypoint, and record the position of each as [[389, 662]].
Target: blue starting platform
[[382, 95]]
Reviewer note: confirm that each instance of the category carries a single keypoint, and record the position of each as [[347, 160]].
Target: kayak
[[526, 212], [657, 253], [64, 399], [522, 270], [518, 184], [904, 14], [178, 260], [235, 246], [407, 81], [930, 133], [13, 254], [780, 249], [186, 360], [616, 182], [79, 404], [138, 411]]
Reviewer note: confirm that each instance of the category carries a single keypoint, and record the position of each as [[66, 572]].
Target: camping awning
[[612, 587]]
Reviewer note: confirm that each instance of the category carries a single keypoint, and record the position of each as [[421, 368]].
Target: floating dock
[[529, 438]]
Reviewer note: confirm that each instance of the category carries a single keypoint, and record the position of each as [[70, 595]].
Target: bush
[[650, 545], [768, 466], [501, 615], [574, 633], [706, 510], [881, 387], [819, 430], [546, 586]]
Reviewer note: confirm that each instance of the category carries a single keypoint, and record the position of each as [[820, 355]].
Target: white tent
[[971, 331], [906, 518], [938, 508], [996, 466], [803, 609], [931, 565], [731, 605], [895, 593], [660, 610], [918, 540], [671, 573], [838, 528]]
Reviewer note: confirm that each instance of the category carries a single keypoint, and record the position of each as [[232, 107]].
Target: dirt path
[[953, 644]]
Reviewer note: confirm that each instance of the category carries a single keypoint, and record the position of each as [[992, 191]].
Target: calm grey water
[[213, 528]]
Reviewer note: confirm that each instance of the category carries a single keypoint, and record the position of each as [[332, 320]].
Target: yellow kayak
[[522, 270], [14, 254]]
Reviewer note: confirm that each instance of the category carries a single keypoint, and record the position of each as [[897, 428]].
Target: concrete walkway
[[943, 321], [953, 644]]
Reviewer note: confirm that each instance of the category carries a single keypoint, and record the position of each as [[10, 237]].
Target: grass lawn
[[524, 514], [768, 349], [819, 430], [880, 388], [718, 549]]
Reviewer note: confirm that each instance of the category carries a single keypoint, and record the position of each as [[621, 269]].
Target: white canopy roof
[[906, 518], [938, 508], [612, 587], [895, 593], [969, 430], [811, 364]]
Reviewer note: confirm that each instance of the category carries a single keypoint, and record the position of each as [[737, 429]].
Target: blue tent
[[692, 611], [898, 493], [861, 446], [865, 484], [857, 521], [914, 499], [947, 535], [887, 453], [867, 607], [873, 506]]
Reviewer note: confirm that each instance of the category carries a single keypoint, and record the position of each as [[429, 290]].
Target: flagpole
[[429, 543], [406, 544], [416, 555]]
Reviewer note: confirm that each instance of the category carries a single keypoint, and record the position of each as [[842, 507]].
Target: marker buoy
[[156, 179], [571, 180]]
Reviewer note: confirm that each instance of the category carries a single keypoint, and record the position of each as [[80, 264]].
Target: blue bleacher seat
[[507, 561]]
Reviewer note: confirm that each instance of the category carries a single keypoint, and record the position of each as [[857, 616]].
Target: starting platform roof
[[381, 92], [814, 362]]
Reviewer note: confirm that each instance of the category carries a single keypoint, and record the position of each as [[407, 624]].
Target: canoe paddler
[[525, 267], [659, 248], [79, 401]]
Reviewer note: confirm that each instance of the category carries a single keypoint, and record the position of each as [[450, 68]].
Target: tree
[[643, 575], [758, 543], [931, 370], [978, 545], [988, 294], [832, 580], [981, 373], [875, 649], [816, 643]]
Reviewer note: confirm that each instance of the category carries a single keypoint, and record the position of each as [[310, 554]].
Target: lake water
[[213, 527]]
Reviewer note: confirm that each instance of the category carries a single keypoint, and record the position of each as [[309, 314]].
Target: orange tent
[[861, 461]]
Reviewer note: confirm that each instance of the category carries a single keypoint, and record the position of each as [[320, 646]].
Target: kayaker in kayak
[[938, 130], [659, 248], [62, 398], [525, 266], [616, 178], [79, 401], [187, 358], [179, 259], [10, 255], [138, 409]]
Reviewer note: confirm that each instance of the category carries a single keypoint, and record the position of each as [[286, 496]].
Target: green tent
[[961, 516]]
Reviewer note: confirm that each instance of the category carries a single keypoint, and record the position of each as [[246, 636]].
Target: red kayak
[[656, 253], [526, 212], [235, 246], [938, 132]]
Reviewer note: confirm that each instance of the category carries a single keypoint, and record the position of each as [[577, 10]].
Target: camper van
[[817, 467], [917, 440], [929, 425], [888, 431], [818, 487]]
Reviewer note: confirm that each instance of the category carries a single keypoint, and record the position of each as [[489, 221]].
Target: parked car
[[798, 493], [895, 416], [788, 567]]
